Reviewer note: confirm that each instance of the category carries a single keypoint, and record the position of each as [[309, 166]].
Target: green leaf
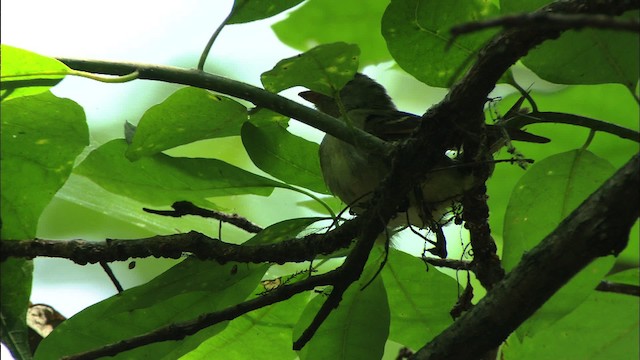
[[356, 22], [284, 230], [188, 115], [16, 276], [417, 32], [605, 326], [261, 334], [589, 57], [162, 179], [41, 137], [357, 329], [324, 69], [245, 11], [544, 196], [420, 300], [26, 73], [283, 155], [182, 293]]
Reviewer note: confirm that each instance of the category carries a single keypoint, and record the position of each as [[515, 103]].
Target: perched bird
[[352, 174]]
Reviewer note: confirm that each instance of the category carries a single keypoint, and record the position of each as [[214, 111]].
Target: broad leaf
[[417, 33], [41, 137], [420, 300], [162, 179], [358, 328], [283, 155], [327, 21], [587, 56], [544, 196], [188, 115], [182, 293], [605, 326], [261, 334], [245, 11], [324, 69], [26, 73]]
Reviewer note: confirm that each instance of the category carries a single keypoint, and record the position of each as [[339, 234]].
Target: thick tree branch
[[598, 227], [176, 245], [550, 21], [257, 96]]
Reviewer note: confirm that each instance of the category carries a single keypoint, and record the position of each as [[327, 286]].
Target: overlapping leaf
[[250, 10], [188, 115], [162, 179], [283, 155], [543, 197], [26, 73], [327, 21], [184, 292], [324, 69], [417, 32]]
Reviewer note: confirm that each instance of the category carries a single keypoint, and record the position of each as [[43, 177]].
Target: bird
[[352, 174]]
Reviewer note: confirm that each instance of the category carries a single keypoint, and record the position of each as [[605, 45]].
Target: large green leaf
[[187, 290], [324, 69], [358, 328], [27, 73], [250, 10], [283, 155], [188, 115], [327, 21], [586, 56], [420, 300], [417, 32], [543, 197], [162, 179], [605, 326], [41, 137], [261, 334]]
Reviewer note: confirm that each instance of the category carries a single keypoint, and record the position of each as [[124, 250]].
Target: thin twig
[[107, 269], [182, 208], [618, 288]]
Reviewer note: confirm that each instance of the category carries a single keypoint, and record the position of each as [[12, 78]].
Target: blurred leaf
[[544, 196], [261, 334], [162, 179], [284, 230], [16, 276], [245, 11], [417, 32], [41, 137], [326, 21], [188, 115], [420, 300], [283, 155], [333, 202], [27, 73], [184, 292], [358, 328], [324, 69], [605, 326]]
